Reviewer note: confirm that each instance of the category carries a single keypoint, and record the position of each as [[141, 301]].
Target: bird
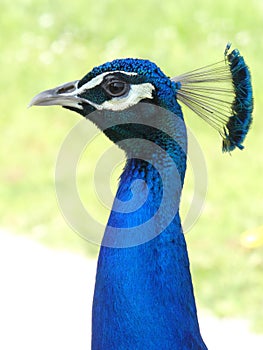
[[144, 296]]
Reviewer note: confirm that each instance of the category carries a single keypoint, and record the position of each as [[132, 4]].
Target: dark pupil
[[117, 88]]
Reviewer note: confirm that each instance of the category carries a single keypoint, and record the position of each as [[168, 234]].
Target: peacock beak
[[63, 95]]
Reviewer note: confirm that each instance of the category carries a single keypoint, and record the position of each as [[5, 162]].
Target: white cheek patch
[[136, 94]]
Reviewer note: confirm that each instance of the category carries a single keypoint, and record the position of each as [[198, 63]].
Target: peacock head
[[113, 86], [109, 95], [219, 93]]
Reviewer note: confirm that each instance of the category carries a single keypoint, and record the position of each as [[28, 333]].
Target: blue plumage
[[144, 296]]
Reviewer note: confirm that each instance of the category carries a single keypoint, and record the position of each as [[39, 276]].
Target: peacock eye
[[116, 88]]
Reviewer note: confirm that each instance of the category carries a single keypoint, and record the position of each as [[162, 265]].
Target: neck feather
[[144, 296]]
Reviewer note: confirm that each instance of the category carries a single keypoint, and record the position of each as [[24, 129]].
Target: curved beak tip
[[36, 100], [57, 96]]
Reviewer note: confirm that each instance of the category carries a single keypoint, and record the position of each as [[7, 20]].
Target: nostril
[[66, 89]]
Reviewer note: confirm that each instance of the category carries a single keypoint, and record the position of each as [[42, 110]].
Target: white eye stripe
[[98, 80]]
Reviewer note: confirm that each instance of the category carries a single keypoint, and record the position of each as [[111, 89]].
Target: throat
[[146, 202]]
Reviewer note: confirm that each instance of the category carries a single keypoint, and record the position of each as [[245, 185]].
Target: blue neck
[[144, 296]]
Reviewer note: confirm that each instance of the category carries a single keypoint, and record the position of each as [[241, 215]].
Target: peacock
[[144, 296]]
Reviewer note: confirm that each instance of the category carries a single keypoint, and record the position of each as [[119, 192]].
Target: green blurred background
[[45, 43]]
